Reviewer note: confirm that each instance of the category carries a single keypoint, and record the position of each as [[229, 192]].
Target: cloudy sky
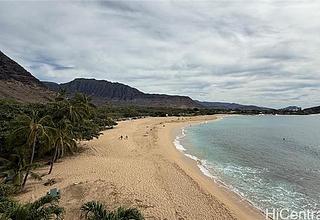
[[262, 52]]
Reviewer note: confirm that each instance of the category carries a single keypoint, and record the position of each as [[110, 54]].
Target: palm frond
[[94, 211], [127, 214], [9, 208], [42, 209], [44, 201]]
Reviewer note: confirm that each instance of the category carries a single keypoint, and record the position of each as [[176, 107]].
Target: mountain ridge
[[19, 84], [233, 106], [103, 91]]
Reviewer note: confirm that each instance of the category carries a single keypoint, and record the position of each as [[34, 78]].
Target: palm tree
[[14, 168], [80, 112], [7, 189], [75, 109], [95, 211], [62, 138], [61, 95], [84, 101], [44, 208], [69, 116], [34, 129]]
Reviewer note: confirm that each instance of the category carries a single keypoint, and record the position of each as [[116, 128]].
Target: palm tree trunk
[[31, 161], [58, 155], [53, 159]]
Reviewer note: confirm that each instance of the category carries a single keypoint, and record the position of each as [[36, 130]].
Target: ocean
[[271, 161]]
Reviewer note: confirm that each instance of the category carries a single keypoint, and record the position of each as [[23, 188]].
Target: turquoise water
[[272, 161]]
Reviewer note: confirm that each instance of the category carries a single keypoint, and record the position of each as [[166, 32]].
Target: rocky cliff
[[102, 91]]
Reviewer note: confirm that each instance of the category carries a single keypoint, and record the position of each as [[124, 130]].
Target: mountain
[[232, 106], [312, 110], [17, 83], [102, 91]]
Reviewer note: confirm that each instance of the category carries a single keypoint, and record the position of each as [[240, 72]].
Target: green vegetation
[[31, 130], [47, 207], [32, 134], [44, 208], [120, 112], [96, 211], [123, 112]]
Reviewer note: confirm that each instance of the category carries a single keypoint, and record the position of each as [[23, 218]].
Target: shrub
[[96, 211]]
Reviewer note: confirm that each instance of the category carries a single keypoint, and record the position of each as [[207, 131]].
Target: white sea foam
[[200, 164], [192, 157], [183, 133], [177, 143], [205, 171]]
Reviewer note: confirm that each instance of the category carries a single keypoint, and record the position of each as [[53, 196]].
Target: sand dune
[[144, 171]]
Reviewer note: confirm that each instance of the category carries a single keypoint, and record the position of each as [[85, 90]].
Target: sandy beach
[[144, 171]]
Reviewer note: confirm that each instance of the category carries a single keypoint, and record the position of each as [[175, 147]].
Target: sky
[[261, 52]]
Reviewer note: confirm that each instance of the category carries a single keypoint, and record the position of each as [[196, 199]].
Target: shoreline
[[195, 161], [243, 208], [145, 171]]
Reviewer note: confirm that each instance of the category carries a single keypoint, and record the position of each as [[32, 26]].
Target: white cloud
[[258, 52]]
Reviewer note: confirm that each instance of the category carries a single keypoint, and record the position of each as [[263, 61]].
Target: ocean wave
[[183, 133], [192, 157], [206, 172], [177, 143]]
